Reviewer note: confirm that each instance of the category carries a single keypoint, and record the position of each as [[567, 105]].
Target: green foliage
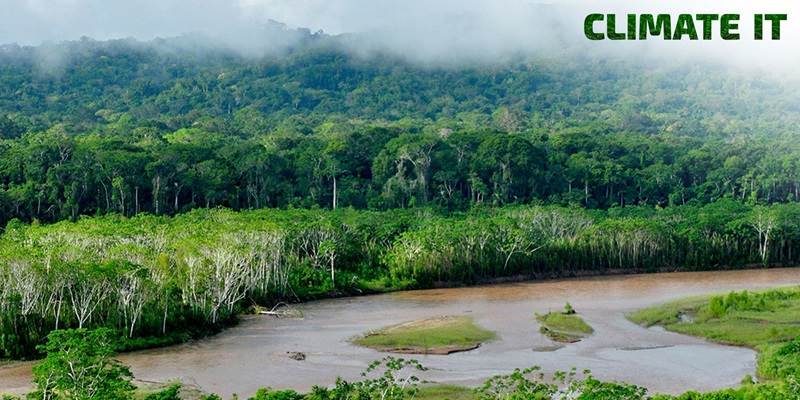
[[125, 127], [390, 379], [79, 366], [131, 133], [267, 394], [564, 327], [716, 306], [593, 389], [161, 280], [445, 392], [779, 391], [781, 361], [719, 306], [517, 386], [170, 393], [435, 335], [667, 314], [530, 384]]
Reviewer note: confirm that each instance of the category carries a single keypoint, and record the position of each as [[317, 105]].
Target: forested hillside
[[345, 174], [162, 127]]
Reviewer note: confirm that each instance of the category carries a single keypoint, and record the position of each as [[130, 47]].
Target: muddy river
[[254, 354]]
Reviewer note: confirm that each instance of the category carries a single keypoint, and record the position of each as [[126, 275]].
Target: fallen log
[[282, 310]]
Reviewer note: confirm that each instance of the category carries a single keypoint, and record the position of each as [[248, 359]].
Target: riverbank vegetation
[[768, 321], [441, 392], [159, 280], [565, 326], [442, 335]]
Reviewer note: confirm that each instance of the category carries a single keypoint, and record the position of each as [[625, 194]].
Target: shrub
[[781, 361], [268, 394], [79, 366], [716, 306], [170, 393]]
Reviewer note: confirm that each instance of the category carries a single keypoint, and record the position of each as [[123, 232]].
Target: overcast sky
[[419, 29]]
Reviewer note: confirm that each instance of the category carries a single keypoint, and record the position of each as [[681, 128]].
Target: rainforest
[[170, 200]]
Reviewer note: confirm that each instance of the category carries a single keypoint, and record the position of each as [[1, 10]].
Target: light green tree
[[79, 366]]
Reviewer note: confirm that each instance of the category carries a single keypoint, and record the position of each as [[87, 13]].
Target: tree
[[132, 287], [512, 165], [79, 366], [328, 250], [507, 119], [404, 168], [9, 129], [512, 239], [87, 288], [763, 222], [332, 168]]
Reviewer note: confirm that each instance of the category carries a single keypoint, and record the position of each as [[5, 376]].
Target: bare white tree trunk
[[131, 296], [27, 284], [85, 297], [763, 223], [334, 191]]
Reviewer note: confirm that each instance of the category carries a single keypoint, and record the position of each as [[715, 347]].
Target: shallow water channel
[[254, 353]]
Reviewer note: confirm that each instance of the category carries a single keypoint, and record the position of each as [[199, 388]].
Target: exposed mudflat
[[254, 354]]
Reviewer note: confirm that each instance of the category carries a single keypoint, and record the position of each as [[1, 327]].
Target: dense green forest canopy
[[92, 127]]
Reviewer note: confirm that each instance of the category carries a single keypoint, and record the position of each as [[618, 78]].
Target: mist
[[450, 32]]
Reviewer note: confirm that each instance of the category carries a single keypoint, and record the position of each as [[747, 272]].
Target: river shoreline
[[253, 354]]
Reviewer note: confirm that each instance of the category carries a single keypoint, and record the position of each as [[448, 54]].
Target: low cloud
[[443, 31]]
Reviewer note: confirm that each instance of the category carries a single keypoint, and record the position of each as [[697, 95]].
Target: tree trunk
[[58, 310], [105, 192], [334, 192], [164, 321], [586, 193], [177, 193], [333, 272], [156, 190]]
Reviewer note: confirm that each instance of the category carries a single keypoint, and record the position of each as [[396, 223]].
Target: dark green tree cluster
[[54, 175]]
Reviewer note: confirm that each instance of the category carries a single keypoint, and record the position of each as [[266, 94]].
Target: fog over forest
[[448, 32]]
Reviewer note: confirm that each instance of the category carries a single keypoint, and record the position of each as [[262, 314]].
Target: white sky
[[420, 29]]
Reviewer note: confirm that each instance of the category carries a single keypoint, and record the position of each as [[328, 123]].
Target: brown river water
[[254, 353]]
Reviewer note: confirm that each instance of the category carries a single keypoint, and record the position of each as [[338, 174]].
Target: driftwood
[[282, 310]]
